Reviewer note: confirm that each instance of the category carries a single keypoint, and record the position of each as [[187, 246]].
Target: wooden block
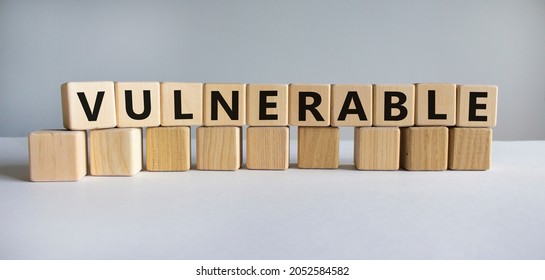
[[115, 151], [219, 148], [57, 155], [268, 148], [318, 147], [267, 105], [138, 104], [469, 148], [476, 105], [181, 104], [224, 104], [168, 148], [393, 105], [88, 105], [376, 148], [424, 148], [435, 105], [309, 105], [351, 105]]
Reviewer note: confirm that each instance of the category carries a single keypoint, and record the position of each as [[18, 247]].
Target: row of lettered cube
[[150, 104]]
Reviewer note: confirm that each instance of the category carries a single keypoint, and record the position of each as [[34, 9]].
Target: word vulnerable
[[414, 126]]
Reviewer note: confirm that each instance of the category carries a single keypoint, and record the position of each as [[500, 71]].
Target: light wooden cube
[[476, 105], [318, 147], [115, 151], [267, 105], [424, 148], [393, 105], [138, 104], [168, 148], [352, 105], [219, 148], [181, 104], [309, 105], [435, 105], [57, 155], [268, 148], [224, 104], [376, 148], [470, 148], [88, 105]]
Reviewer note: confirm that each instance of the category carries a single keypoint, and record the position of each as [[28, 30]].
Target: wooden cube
[[115, 151], [219, 148], [435, 105], [181, 104], [393, 105], [470, 148], [424, 148], [268, 148], [476, 105], [318, 147], [376, 148], [267, 105], [138, 104], [168, 148], [309, 105], [224, 104], [57, 155], [88, 105], [352, 105]]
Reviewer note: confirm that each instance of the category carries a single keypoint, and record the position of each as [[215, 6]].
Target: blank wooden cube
[[318, 147], [424, 148], [267, 105], [435, 105], [268, 148], [181, 104], [476, 105], [224, 104], [88, 105], [393, 105], [57, 155], [168, 148], [309, 105], [470, 148], [219, 148], [352, 105], [138, 104], [115, 151], [376, 148]]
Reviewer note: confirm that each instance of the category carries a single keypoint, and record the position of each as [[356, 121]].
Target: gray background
[[45, 43]]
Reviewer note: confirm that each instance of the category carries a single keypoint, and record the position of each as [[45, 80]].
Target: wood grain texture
[[219, 148], [227, 91], [115, 151], [191, 104], [56, 155], [256, 94], [445, 104], [376, 148], [268, 148], [137, 92], [339, 94], [323, 109], [379, 101], [318, 147], [463, 98], [73, 112], [424, 148], [470, 148], [168, 148]]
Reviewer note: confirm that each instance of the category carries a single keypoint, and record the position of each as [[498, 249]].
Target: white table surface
[[293, 214]]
